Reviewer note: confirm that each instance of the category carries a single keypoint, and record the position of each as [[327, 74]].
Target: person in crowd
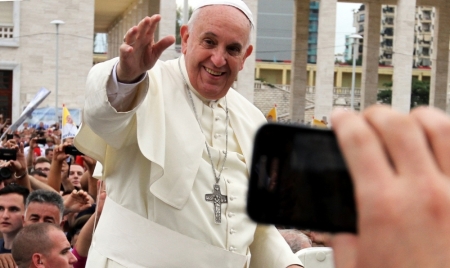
[[49, 206], [399, 166], [39, 175], [42, 164], [41, 127], [75, 174], [44, 206], [49, 154], [42, 245], [194, 184], [12, 207], [296, 239]]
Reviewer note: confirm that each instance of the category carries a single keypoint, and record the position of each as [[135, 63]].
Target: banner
[[47, 115], [69, 129]]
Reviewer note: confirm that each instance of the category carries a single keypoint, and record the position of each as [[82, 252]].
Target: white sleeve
[[121, 95]]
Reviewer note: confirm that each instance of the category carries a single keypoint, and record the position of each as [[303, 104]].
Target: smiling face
[[215, 49]]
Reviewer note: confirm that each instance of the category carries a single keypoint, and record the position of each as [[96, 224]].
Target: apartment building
[[423, 34]]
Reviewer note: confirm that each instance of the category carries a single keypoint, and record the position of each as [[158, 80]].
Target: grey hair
[[295, 239], [46, 197], [194, 17]]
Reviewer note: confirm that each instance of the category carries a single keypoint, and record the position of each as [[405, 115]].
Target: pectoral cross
[[217, 198]]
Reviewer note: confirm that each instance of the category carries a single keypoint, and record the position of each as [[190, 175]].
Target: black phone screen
[[299, 179]]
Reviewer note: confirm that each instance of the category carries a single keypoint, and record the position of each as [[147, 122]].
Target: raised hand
[[399, 166], [77, 201], [139, 52]]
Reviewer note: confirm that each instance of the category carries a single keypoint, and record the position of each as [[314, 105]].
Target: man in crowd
[[44, 206], [42, 164], [12, 208], [42, 245], [175, 144]]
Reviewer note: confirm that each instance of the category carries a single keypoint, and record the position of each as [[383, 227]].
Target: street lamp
[[355, 38], [57, 23]]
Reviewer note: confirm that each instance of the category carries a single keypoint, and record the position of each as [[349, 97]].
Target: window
[[9, 23], [361, 17], [6, 93]]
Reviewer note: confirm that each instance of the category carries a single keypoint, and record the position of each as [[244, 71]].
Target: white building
[[28, 52]]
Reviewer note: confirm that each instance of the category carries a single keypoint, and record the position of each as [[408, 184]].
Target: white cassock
[[158, 172]]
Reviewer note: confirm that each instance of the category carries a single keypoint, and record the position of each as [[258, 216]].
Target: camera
[[299, 179], [5, 173], [72, 150], [6, 154]]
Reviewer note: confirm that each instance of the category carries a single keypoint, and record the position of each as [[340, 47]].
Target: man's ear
[[37, 260], [62, 224], [184, 32], [248, 52]]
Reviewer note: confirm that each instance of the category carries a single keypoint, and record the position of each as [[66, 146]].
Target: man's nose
[[219, 57]]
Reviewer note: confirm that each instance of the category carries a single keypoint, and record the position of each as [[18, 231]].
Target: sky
[[344, 21]]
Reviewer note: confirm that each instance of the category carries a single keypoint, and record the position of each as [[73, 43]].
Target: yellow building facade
[[280, 73]]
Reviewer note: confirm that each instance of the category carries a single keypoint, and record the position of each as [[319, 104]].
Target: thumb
[[162, 45], [344, 250]]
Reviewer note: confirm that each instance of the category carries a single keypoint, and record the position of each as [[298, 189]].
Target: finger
[[361, 149], [344, 250], [149, 26], [162, 45], [436, 126], [404, 141]]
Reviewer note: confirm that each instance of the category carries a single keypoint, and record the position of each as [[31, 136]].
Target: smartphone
[[299, 179], [8, 154], [9, 136], [72, 150], [42, 141]]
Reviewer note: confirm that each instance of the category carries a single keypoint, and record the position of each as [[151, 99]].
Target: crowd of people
[[43, 184]]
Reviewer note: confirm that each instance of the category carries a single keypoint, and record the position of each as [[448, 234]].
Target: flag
[[272, 114], [319, 123], [68, 130]]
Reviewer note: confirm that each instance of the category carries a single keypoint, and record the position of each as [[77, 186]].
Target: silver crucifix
[[217, 198]]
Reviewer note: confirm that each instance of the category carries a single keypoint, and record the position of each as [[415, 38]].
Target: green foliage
[[179, 23], [420, 93]]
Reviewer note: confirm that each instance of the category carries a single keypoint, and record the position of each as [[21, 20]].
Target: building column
[[325, 59], [284, 76], [439, 72], [403, 54], [369, 80], [167, 26], [339, 77], [310, 77], [246, 77], [297, 100]]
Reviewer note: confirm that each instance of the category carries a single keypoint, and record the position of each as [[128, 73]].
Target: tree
[[420, 93], [179, 23]]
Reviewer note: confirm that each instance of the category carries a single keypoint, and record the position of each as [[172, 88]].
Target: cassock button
[[232, 231], [216, 135], [217, 118], [230, 214], [232, 197], [232, 249]]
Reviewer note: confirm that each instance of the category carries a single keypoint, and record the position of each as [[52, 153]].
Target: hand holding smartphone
[[299, 179]]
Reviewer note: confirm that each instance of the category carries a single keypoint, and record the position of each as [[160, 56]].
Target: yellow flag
[[69, 130], [272, 114], [318, 123]]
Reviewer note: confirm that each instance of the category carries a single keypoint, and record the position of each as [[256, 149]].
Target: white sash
[[134, 241]]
